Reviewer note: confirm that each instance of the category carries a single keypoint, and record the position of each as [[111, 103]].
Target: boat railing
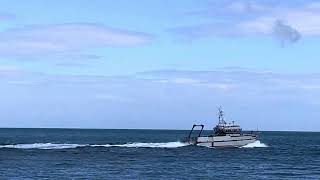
[[196, 125]]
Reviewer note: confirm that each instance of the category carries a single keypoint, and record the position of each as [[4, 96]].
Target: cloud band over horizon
[[153, 99]]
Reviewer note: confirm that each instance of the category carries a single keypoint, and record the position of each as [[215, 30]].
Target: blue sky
[[145, 64]]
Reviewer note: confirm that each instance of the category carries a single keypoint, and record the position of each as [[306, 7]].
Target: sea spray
[[256, 144]]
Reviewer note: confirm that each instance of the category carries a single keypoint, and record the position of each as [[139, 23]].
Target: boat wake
[[42, 146], [71, 146], [146, 145], [256, 144]]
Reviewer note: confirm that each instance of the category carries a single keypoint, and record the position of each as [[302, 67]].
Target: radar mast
[[221, 116]]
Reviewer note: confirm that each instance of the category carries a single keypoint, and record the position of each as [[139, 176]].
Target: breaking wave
[[70, 146], [256, 144]]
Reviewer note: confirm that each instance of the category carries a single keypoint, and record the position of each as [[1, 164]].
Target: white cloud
[[313, 6], [240, 7], [306, 21], [196, 83], [6, 16], [251, 18], [185, 81], [8, 70], [222, 86], [161, 81], [65, 38], [178, 80], [311, 86], [236, 79], [19, 83], [111, 97]]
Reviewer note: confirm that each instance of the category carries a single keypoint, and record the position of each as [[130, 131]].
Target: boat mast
[[221, 118]]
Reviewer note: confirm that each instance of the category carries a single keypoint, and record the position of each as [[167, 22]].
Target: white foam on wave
[[256, 144], [70, 146], [43, 146], [146, 145]]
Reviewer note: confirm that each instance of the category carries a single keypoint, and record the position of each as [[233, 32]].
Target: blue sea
[[152, 154]]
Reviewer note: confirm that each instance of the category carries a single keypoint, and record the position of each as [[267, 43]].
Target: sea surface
[[152, 154]]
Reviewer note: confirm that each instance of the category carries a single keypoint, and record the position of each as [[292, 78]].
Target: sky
[[160, 64]]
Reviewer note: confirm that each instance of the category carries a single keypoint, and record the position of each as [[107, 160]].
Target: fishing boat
[[224, 135]]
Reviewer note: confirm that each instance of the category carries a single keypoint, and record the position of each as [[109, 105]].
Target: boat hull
[[224, 141]]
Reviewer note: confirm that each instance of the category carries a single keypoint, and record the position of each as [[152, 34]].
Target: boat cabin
[[229, 129]]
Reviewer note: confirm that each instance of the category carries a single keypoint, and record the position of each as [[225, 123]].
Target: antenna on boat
[[221, 114]]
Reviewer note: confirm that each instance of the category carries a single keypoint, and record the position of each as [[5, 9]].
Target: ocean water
[[152, 154]]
